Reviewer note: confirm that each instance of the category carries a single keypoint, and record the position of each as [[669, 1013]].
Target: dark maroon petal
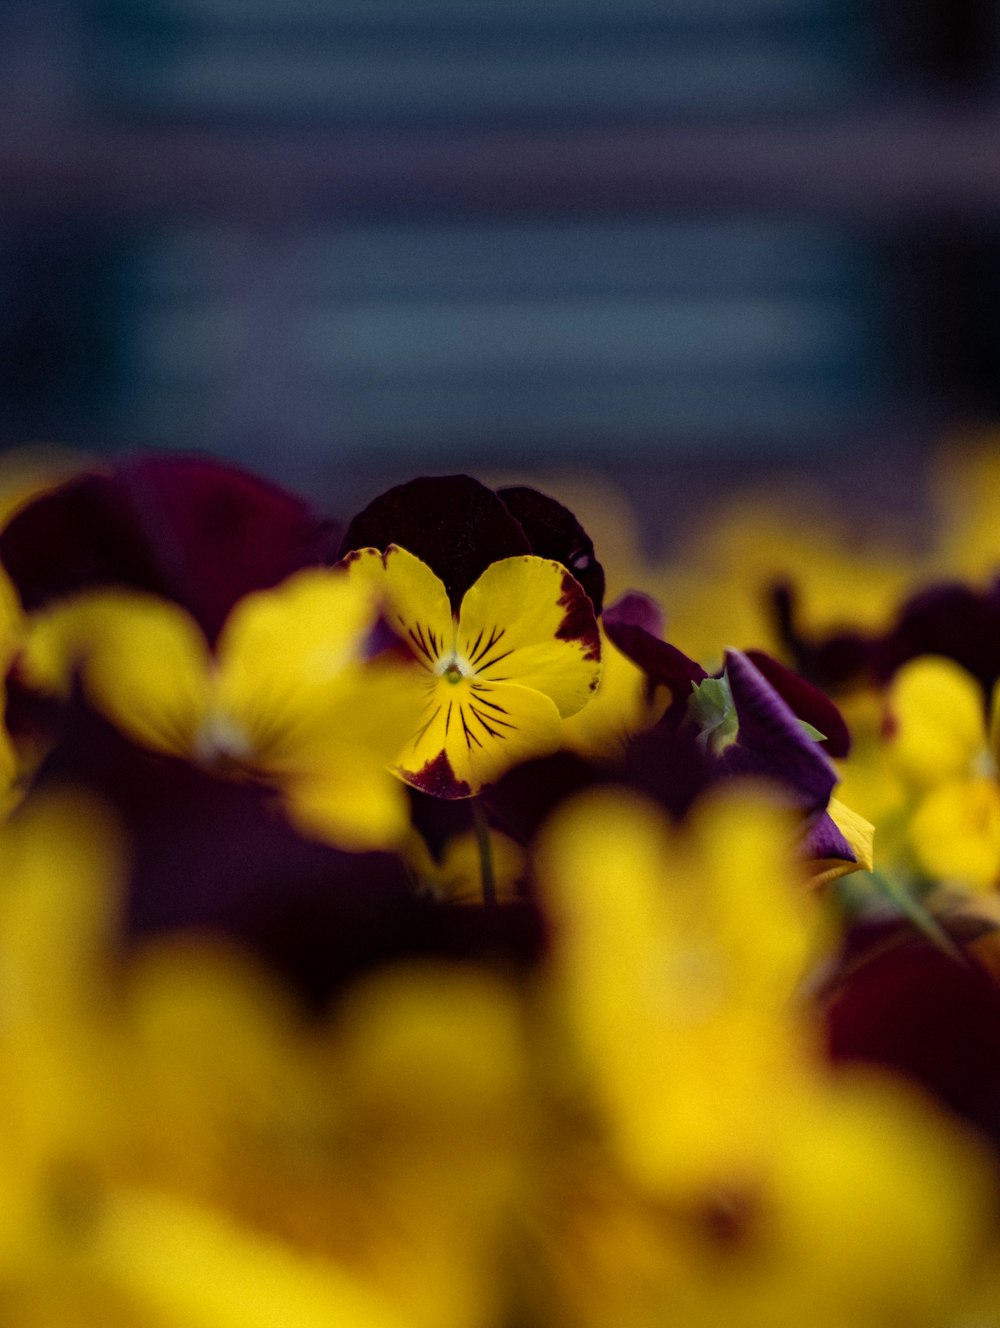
[[193, 530], [451, 522], [918, 1012], [213, 855], [579, 622], [554, 532], [834, 662], [823, 839], [770, 742], [668, 763], [951, 620], [439, 780], [80, 535], [808, 702], [524, 797], [663, 664], [636, 609], [439, 819]]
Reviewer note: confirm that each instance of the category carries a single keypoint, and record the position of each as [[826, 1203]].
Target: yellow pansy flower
[[288, 695], [722, 1174], [522, 652], [678, 953], [943, 751]]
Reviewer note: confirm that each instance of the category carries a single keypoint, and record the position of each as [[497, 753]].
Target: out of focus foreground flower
[[646, 1135]]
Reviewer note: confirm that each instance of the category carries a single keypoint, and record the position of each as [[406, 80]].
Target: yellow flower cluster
[[643, 1134], [689, 1091]]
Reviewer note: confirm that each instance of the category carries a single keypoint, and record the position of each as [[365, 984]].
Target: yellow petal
[[525, 625], [472, 732], [457, 877], [860, 835], [292, 679], [620, 708], [187, 1265], [940, 727], [374, 708], [144, 663], [416, 602], [432, 1063], [955, 833], [677, 955], [357, 805], [993, 733], [333, 769], [860, 1157], [527, 621], [61, 1098]]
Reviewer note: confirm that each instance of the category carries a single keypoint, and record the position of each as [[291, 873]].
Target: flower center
[[453, 672], [221, 741]]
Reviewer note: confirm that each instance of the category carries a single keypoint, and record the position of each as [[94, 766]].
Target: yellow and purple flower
[[522, 652], [496, 596]]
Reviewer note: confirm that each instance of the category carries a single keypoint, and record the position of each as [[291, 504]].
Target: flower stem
[[485, 854], [921, 917]]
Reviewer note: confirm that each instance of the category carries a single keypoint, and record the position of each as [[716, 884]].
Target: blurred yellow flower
[[456, 876], [640, 1136], [677, 957], [744, 1185], [288, 696], [944, 753]]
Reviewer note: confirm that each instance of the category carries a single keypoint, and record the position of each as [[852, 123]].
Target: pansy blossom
[[521, 651], [288, 697]]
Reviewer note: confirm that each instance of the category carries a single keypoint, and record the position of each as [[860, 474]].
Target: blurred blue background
[[351, 240]]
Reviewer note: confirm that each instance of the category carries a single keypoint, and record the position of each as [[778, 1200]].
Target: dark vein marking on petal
[[495, 636], [447, 718], [471, 650], [481, 668], [418, 648], [421, 644], [470, 737], [494, 733], [481, 700], [423, 730], [579, 624]]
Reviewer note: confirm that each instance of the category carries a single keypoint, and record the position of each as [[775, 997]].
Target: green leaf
[[811, 731], [912, 908], [712, 708]]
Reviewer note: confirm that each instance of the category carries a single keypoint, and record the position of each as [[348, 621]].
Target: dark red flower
[[196, 531], [918, 1012]]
